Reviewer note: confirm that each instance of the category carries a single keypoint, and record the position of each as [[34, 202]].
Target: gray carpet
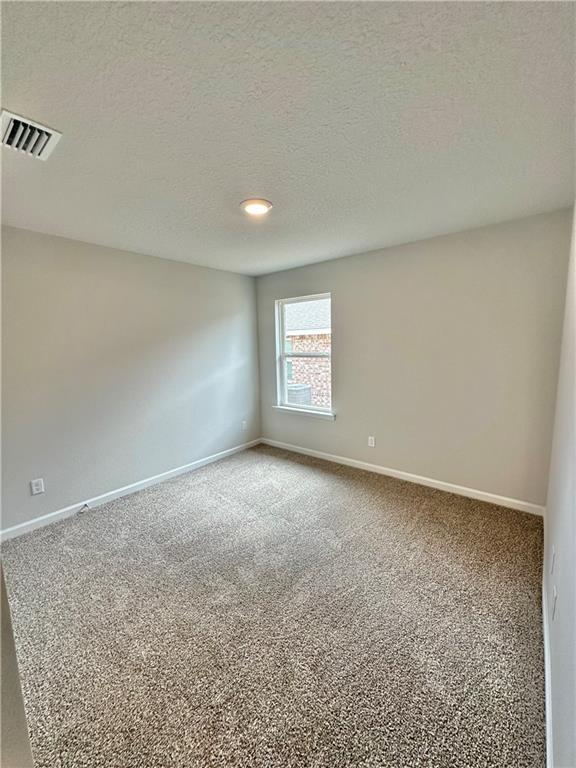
[[274, 610]]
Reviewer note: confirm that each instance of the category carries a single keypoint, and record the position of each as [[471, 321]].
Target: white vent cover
[[26, 136]]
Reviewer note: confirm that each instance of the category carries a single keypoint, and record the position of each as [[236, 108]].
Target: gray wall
[[561, 534], [117, 367], [14, 743], [445, 350]]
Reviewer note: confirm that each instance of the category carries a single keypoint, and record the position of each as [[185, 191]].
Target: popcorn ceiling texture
[[366, 124], [277, 610]]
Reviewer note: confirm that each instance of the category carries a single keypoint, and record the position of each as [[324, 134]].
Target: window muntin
[[303, 352]]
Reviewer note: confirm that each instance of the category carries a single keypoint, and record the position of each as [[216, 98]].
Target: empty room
[[288, 385]]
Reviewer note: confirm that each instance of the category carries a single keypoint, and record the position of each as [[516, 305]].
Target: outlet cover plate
[[37, 486]]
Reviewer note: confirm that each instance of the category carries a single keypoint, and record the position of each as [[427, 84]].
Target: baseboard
[[471, 493], [60, 514], [547, 678]]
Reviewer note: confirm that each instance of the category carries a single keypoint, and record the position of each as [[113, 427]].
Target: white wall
[[117, 367], [446, 350], [560, 533]]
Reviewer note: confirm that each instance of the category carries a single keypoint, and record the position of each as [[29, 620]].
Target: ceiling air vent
[[26, 136]]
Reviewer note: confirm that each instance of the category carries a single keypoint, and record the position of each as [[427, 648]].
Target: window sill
[[328, 415]]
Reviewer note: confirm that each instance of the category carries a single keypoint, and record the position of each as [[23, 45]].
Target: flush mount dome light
[[255, 206]]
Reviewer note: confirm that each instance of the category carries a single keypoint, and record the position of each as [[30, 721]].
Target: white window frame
[[281, 357]]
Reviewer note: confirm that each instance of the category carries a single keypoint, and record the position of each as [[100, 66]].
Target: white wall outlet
[[552, 560], [371, 441], [37, 486], [554, 601], [244, 425]]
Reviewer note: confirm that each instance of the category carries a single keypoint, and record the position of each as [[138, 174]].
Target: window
[[303, 353], [289, 365]]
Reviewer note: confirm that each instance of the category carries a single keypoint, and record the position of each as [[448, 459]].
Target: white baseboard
[[547, 678], [60, 514], [472, 493]]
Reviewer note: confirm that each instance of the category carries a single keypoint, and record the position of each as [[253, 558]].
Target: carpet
[[277, 610]]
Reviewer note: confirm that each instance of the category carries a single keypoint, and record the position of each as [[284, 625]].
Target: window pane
[[307, 326], [308, 382]]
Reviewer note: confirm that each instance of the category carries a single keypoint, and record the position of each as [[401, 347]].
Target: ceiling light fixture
[[256, 206]]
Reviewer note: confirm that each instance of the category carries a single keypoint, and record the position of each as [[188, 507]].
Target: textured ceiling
[[366, 124]]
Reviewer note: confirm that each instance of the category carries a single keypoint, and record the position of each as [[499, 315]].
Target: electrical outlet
[[244, 425], [552, 560], [554, 601], [371, 441], [37, 486]]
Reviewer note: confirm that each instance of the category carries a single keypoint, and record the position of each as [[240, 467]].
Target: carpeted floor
[[274, 610]]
